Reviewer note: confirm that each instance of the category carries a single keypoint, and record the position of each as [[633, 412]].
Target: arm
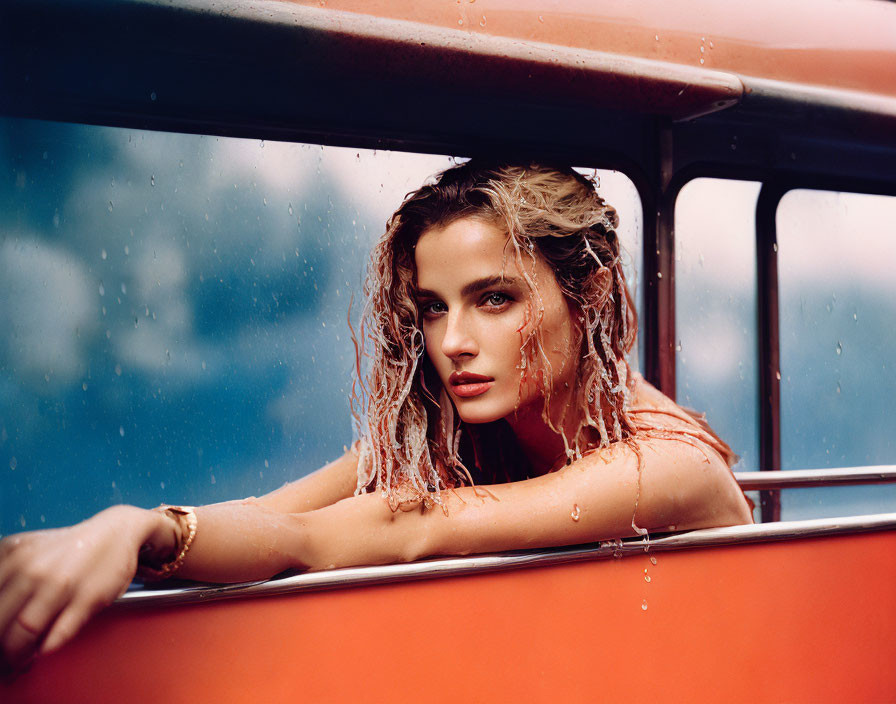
[[326, 486], [681, 487], [52, 581]]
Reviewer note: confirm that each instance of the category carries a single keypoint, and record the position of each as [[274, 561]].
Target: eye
[[496, 299], [431, 309]]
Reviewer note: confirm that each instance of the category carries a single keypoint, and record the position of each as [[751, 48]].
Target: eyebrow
[[475, 286]]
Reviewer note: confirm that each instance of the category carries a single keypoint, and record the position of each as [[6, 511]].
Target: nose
[[459, 339]]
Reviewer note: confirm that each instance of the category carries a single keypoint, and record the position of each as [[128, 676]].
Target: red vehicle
[[797, 95]]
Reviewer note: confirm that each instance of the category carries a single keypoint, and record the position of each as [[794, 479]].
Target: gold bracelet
[[179, 514]]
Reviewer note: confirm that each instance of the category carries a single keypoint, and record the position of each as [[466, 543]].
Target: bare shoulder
[[685, 480]]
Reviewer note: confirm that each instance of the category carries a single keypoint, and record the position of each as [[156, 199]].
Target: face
[[477, 309]]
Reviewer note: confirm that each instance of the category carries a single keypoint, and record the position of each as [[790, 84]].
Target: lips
[[468, 384]]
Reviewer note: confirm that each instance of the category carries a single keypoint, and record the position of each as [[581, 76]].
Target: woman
[[499, 412]]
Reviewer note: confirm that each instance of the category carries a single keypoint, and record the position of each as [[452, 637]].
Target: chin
[[484, 414]]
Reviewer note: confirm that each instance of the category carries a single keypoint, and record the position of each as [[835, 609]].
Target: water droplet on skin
[[576, 512], [711, 45], [482, 21], [541, 19], [646, 577], [652, 560], [656, 37], [644, 605], [460, 22], [702, 61]]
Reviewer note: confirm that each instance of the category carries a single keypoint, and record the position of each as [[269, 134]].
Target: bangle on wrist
[[185, 518]]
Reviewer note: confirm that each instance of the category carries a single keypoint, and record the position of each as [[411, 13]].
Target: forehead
[[463, 251]]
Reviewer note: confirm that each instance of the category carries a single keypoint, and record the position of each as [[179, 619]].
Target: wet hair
[[412, 445]]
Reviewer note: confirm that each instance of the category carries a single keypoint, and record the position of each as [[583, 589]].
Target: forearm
[[244, 540]]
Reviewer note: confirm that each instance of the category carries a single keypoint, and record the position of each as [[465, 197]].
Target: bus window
[[174, 310], [715, 309], [836, 253]]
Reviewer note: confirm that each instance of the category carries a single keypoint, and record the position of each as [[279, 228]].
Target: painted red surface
[[831, 43], [807, 621]]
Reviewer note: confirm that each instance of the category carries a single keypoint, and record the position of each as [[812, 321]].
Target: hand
[[53, 581]]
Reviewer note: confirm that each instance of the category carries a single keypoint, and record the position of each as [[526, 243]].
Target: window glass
[[174, 311], [715, 309], [837, 310]]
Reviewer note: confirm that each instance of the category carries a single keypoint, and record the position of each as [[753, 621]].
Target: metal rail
[[802, 478], [456, 566]]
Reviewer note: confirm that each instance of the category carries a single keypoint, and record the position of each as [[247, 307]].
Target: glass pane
[[174, 309], [715, 309], [838, 308]]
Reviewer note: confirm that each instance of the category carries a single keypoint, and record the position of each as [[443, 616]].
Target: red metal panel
[[821, 42], [805, 621]]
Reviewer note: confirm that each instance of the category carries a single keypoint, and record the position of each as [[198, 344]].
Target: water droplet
[[652, 560], [117, 370], [702, 61], [774, 246], [659, 274], [702, 49], [711, 45], [84, 386], [13, 463], [121, 430], [103, 254], [152, 180], [266, 464], [127, 250], [102, 289], [162, 485], [656, 37], [839, 348], [838, 387], [644, 605], [124, 289], [646, 577], [460, 21], [290, 208], [576, 512], [778, 376], [152, 96], [541, 19], [482, 21], [111, 206]]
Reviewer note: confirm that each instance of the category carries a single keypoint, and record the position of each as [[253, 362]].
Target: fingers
[[24, 633], [70, 621]]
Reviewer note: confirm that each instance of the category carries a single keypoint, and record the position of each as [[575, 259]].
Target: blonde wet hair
[[409, 435]]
